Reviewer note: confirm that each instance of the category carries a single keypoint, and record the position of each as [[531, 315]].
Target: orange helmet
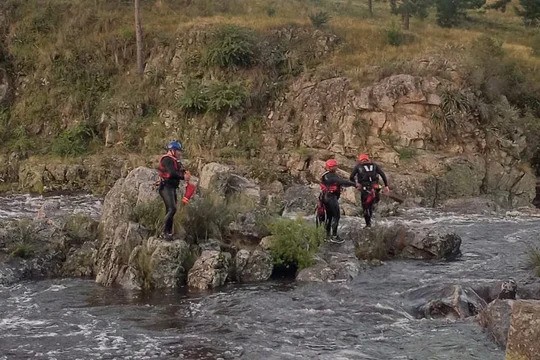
[[363, 157], [331, 163]]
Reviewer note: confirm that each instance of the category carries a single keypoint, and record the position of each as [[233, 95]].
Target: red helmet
[[331, 163], [363, 157]]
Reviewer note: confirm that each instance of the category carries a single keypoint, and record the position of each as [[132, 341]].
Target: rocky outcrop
[[393, 118], [252, 266], [221, 180], [118, 236], [46, 248], [210, 270], [524, 331], [96, 173]]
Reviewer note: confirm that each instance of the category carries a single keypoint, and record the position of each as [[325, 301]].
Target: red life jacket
[[162, 171], [332, 188]]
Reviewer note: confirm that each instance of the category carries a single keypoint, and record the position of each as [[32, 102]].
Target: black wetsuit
[[367, 174], [332, 184], [167, 190]]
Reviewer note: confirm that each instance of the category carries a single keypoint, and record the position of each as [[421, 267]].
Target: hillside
[[230, 78]]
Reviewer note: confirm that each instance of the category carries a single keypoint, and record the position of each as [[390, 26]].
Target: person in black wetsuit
[[331, 185], [171, 171], [366, 176]]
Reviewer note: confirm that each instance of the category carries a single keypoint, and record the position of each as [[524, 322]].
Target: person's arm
[[383, 176], [333, 178], [353, 174], [168, 163]]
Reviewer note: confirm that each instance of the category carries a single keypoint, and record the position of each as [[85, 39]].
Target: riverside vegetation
[[217, 73]]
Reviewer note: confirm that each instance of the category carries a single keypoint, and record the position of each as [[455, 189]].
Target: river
[[366, 318]]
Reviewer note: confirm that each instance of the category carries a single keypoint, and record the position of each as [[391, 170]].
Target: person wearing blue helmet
[[171, 172]]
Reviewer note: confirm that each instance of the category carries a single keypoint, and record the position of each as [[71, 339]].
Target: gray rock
[[252, 266], [210, 270], [495, 319]]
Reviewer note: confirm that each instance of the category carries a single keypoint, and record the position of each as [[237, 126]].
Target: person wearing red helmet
[[366, 176], [331, 185]]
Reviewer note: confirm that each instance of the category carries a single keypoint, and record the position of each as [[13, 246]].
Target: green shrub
[[23, 237], [73, 141], [226, 96], [195, 98], [207, 217], [20, 140], [534, 260], [394, 36], [319, 19], [295, 242], [232, 46], [271, 11]]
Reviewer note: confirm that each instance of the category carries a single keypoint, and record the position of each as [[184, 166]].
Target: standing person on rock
[[331, 185], [366, 176], [171, 171]]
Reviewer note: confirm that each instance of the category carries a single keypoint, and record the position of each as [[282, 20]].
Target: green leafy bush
[[295, 242], [319, 19], [394, 36], [232, 46], [195, 98], [73, 141], [226, 96]]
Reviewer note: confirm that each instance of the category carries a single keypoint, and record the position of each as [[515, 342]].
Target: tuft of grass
[[207, 217], [23, 251], [407, 153], [295, 242], [319, 19], [150, 215]]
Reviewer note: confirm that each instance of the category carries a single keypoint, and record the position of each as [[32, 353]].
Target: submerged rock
[[383, 242], [454, 301]]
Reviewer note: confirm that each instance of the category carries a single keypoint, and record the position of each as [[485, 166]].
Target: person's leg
[[334, 205], [168, 194], [366, 207]]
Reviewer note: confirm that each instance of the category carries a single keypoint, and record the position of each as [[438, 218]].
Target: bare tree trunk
[[370, 6], [405, 17], [139, 38]]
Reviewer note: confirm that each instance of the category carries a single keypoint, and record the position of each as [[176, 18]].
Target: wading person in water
[[331, 185], [366, 176], [171, 171]]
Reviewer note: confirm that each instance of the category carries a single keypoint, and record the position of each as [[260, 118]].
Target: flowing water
[[366, 318]]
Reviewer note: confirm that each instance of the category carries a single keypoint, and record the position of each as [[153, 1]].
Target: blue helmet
[[174, 145]]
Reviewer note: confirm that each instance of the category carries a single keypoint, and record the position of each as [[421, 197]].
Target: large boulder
[[251, 266], [523, 337], [432, 244], [220, 179], [495, 319], [157, 264], [300, 199], [80, 262], [118, 235], [210, 270]]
